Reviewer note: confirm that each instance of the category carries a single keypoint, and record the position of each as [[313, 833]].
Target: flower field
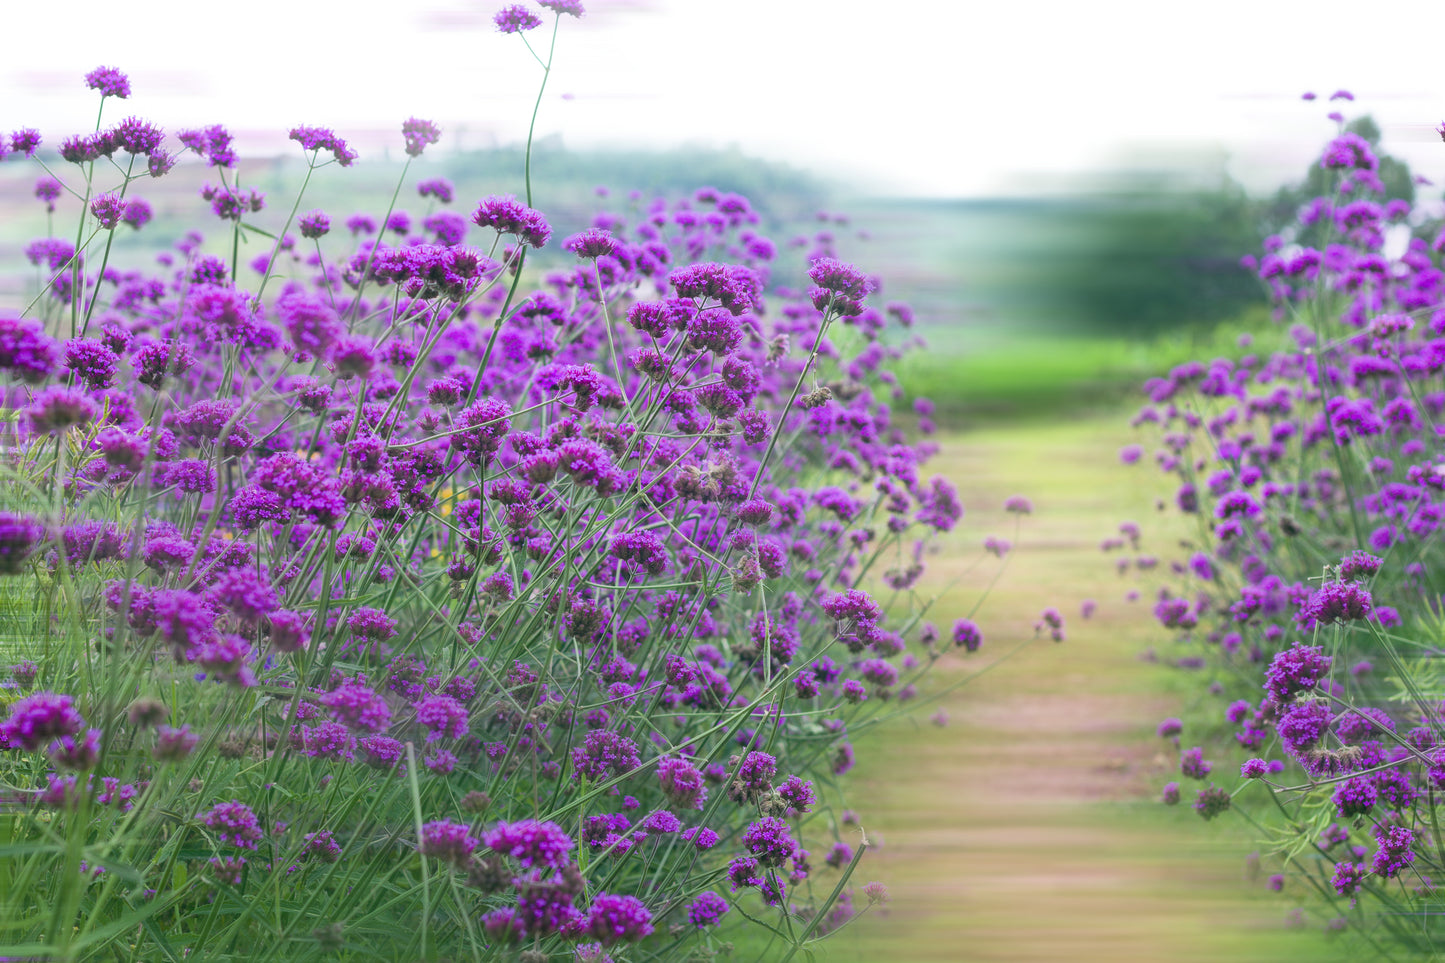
[[422, 580]]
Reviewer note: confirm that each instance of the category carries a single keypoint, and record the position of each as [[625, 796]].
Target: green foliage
[[1151, 257]]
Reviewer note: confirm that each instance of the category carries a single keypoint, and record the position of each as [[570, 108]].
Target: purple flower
[[25, 349], [755, 773], [1359, 565], [157, 359], [1192, 764], [682, 783], [107, 209], [383, 752], [1211, 802], [323, 138], [1254, 769], [371, 624], [247, 593], [1170, 795], [707, 910], [507, 215], [591, 243], [1303, 725], [1356, 725], [19, 537], [966, 635], [605, 753], [515, 18], [840, 278], [1394, 853], [770, 840], [328, 740], [1295, 670], [358, 707], [531, 843], [56, 409], [798, 793], [614, 919], [322, 846], [25, 141], [233, 823], [109, 81], [1348, 878], [1335, 602], [451, 842], [353, 356], [1356, 797], [36, 719], [711, 281], [419, 134], [314, 224], [137, 213], [289, 631], [311, 322], [438, 187], [226, 659], [136, 136], [481, 428], [172, 744], [1349, 150], [443, 717]]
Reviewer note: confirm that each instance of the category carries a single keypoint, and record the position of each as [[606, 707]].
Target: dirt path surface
[[1028, 829]]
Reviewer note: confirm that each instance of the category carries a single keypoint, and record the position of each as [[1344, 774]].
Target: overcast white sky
[[928, 97]]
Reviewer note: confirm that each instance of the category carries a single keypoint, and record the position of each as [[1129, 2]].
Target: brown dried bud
[[817, 397], [144, 713]]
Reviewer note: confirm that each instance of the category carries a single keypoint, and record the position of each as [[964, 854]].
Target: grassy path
[[1027, 829]]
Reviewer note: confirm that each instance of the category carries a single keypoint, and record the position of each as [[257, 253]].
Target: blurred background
[[1062, 191]]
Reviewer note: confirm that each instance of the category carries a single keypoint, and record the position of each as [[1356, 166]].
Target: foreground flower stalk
[[1309, 596], [379, 595]]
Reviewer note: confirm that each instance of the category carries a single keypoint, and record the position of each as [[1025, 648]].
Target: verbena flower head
[[1335, 602], [682, 783], [531, 843], [107, 209], [314, 224], [617, 919], [137, 213], [451, 842], [591, 243], [419, 135], [234, 823], [1211, 802], [358, 707], [1296, 670], [20, 535], [515, 18], [507, 215], [137, 136], [707, 910], [109, 81], [770, 841], [443, 717], [56, 409], [324, 138], [573, 7], [25, 141], [39, 718]]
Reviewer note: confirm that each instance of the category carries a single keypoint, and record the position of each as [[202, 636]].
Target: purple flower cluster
[[386, 525]]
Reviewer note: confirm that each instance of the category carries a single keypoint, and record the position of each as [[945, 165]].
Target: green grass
[[977, 377]]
